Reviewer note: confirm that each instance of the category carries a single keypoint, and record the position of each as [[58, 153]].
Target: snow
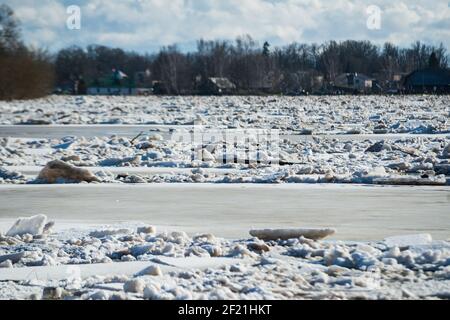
[[396, 114], [118, 154], [235, 230], [297, 268], [109, 232], [33, 225], [409, 240], [134, 285], [128, 269], [230, 210], [6, 264], [286, 234]]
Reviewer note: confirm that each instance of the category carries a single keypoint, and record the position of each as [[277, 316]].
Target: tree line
[[25, 73], [253, 67]]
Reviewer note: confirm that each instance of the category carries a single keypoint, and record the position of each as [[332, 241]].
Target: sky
[[147, 25]]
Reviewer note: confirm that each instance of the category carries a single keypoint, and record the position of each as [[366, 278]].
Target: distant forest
[[24, 73], [250, 65]]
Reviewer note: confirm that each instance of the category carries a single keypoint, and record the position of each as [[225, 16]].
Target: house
[[353, 82], [300, 82], [219, 86], [265, 83], [429, 80], [395, 83], [143, 79], [75, 86]]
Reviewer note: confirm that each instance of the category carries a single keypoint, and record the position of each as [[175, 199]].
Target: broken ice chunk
[[286, 234], [446, 152], [57, 170], [109, 232], [33, 225], [408, 240]]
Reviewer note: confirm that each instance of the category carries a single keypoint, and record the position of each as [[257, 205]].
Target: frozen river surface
[[130, 131], [358, 212]]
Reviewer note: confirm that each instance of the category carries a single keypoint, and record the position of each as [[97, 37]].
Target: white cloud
[[147, 24]]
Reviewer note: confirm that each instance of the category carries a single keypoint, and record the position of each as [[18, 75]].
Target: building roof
[[117, 79], [351, 80], [222, 83], [428, 77], [359, 76]]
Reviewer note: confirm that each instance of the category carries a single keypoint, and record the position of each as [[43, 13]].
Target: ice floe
[[89, 265]]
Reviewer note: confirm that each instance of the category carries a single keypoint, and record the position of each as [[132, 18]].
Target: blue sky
[[146, 25]]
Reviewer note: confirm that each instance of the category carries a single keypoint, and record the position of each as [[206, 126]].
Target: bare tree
[[24, 73], [251, 67]]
